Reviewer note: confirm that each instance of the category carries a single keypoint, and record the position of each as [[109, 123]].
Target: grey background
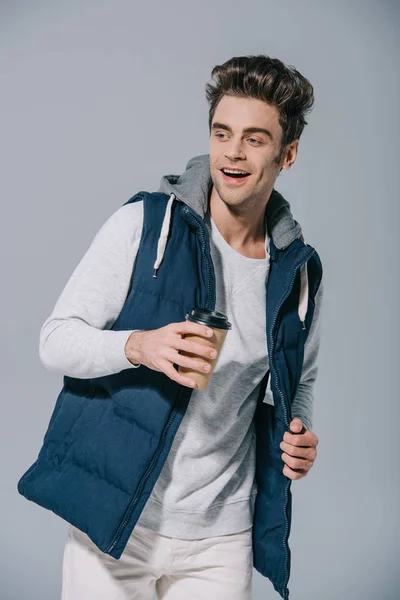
[[98, 100]]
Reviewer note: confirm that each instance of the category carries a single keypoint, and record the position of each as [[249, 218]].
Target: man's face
[[255, 152]]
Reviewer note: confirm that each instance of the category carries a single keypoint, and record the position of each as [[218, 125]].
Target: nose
[[234, 150]]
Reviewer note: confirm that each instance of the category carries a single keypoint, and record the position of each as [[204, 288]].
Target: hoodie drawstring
[[162, 242], [303, 297]]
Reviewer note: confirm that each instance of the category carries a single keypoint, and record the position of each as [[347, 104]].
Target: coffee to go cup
[[220, 325]]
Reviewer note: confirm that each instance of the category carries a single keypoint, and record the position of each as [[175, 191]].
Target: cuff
[[116, 350]]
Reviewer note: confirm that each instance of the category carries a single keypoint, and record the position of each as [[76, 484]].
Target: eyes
[[250, 139]]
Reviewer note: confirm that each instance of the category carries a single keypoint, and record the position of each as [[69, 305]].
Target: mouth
[[235, 176]]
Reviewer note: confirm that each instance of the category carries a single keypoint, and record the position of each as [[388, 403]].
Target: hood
[[193, 187]]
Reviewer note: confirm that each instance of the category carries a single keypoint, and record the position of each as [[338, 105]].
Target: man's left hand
[[299, 450]]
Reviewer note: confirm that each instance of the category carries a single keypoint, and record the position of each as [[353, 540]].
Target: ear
[[290, 154]]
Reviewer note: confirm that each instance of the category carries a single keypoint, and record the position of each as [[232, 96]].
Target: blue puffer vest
[[108, 437]]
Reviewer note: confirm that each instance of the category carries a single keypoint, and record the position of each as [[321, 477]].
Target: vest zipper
[[145, 477], [272, 366], [205, 253]]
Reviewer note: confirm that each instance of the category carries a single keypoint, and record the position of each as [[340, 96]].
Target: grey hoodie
[[193, 187], [207, 486]]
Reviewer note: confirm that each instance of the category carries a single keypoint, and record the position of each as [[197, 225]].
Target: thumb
[[296, 425]]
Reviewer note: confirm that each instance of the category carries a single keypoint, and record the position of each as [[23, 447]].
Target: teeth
[[234, 171]]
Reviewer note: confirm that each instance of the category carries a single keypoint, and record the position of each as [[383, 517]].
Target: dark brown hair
[[267, 79]]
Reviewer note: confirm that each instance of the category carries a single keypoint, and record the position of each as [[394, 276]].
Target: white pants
[[175, 569]]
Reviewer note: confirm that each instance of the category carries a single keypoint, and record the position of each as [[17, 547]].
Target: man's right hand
[[158, 349]]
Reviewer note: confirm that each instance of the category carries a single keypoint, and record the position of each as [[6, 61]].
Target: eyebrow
[[247, 130]]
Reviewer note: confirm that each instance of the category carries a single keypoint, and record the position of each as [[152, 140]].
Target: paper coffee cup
[[220, 325]]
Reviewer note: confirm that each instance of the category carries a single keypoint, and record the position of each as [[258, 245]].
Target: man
[[168, 488]]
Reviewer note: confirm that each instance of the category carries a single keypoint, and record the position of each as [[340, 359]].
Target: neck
[[244, 230]]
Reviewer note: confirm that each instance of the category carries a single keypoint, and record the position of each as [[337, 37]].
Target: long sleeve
[[302, 405], [76, 339]]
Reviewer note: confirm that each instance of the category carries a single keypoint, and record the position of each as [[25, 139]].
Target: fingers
[[290, 474], [308, 453], [298, 459], [173, 374], [191, 347], [296, 463], [188, 362], [187, 327], [306, 439]]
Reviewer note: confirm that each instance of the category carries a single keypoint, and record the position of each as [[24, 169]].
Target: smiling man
[[245, 160], [166, 488]]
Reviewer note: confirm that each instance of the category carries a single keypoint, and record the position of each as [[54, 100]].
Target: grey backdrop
[[98, 100]]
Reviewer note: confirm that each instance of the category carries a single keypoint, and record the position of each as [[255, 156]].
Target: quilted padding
[[108, 438]]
